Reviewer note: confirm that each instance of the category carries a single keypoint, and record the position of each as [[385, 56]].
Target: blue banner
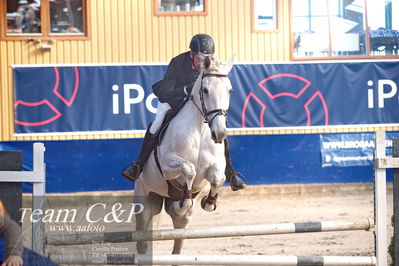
[[112, 98], [356, 149], [84, 98]]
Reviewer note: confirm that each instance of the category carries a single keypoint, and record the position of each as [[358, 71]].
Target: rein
[[203, 110]]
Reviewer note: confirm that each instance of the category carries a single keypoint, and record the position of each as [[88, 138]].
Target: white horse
[[191, 161]]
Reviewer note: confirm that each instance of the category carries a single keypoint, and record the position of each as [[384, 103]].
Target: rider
[[178, 82], [11, 232]]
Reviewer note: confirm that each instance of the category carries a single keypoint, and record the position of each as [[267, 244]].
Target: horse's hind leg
[[178, 223], [216, 178], [152, 206]]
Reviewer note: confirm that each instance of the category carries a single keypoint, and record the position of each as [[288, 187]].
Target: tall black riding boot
[[133, 170], [235, 179]]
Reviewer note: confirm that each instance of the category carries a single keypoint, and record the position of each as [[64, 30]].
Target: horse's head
[[215, 95]]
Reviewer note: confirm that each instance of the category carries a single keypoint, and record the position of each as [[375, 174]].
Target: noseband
[[205, 113]]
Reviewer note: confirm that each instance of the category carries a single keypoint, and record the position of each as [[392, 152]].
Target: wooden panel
[[114, 34], [107, 31], [60, 52], [128, 32], [90, 47], [285, 28], [135, 31], [121, 31], [187, 25], [141, 31], [149, 41], [80, 52], [161, 39], [101, 33], [183, 27]]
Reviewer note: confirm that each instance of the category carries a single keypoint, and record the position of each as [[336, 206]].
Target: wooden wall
[[125, 31]]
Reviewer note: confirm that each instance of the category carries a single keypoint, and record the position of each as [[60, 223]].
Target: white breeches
[[162, 108]]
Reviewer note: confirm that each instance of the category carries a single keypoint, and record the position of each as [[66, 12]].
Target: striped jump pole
[[195, 233], [122, 259]]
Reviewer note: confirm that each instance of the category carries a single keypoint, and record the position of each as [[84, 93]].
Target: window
[[66, 16], [180, 7], [338, 28], [23, 17], [383, 23], [44, 19]]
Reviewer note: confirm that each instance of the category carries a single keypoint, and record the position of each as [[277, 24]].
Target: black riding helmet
[[202, 45]]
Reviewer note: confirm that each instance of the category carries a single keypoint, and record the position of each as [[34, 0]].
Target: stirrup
[[240, 176], [239, 185], [232, 174], [127, 171]]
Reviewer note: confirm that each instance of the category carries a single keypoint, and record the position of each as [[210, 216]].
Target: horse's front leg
[[173, 168], [216, 178]]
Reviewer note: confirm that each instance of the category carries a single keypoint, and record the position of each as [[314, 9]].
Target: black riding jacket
[[180, 73]]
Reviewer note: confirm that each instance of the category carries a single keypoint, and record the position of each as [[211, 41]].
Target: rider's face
[[196, 62]]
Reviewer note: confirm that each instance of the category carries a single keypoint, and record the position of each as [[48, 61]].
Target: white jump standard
[[38, 178]]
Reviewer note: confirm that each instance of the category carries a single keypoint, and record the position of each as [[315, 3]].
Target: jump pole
[[195, 233], [38, 178], [120, 259]]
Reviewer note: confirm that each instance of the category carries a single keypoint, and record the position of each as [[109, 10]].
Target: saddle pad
[[168, 118]]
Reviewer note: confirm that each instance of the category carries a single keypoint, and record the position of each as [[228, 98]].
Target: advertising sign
[[115, 98], [355, 149]]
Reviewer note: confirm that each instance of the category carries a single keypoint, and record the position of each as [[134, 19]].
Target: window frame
[[275, 19], [367, 41], [180, 13], [46, 34]]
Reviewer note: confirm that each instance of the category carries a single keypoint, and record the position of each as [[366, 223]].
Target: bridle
[[204, 112]]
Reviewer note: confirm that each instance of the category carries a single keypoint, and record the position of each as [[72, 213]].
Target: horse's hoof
[[206, 206], [181, 209]]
